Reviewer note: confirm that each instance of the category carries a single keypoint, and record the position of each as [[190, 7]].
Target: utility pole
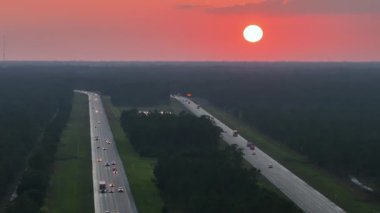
[[4, 49]]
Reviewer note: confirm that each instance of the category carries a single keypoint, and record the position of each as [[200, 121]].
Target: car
[[99, 160], [112, 185], [104, 148], [113, 163], [107, 164], [270, 166], [120, 189], [251, 145], [98, 147]]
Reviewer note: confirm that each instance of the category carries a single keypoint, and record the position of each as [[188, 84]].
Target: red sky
[[180, 30]]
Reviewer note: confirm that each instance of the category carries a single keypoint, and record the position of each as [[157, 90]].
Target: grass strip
[[139, 170], [70, 189]]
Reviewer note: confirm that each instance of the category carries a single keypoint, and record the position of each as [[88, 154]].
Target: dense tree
[[33, 110], [327, 111], [192, 172], [32, 188]]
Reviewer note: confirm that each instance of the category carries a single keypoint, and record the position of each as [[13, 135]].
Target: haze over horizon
[[179, 30]]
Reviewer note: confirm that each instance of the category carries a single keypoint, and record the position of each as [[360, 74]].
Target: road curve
[[104, 151], [303, 195]]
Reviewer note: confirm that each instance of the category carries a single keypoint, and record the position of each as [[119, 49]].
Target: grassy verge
[[71, 189], [342, 193], [139, 170]]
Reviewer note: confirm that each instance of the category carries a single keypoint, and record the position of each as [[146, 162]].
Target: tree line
[[328, 112], [33, 109], [31, 191]]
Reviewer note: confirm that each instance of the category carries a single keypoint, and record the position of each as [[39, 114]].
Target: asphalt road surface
[[303, 195], [117, 198]]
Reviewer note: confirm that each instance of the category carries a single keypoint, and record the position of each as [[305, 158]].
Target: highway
[[307, 198], [106, 164]]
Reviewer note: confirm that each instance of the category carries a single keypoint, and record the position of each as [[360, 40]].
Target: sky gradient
[[193, 30]]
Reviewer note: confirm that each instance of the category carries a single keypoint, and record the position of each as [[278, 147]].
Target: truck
[[102, 187], [235, 133]]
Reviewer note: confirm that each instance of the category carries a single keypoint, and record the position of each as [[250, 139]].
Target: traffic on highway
[[302, 194], [112, 193]]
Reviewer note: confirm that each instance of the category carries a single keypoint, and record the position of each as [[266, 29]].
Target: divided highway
[[303, 195], [111, 188]]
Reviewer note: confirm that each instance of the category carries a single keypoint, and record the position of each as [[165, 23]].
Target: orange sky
[[294, 30]]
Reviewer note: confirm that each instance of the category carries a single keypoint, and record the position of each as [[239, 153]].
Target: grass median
[[71, 188], [342, 193], [139, 170]]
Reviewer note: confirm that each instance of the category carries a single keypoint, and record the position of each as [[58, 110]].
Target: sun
[[253, 33]]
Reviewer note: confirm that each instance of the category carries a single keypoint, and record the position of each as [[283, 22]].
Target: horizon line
[[187, 61]]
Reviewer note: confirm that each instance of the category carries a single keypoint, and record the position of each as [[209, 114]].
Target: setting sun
[[253, 33]]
